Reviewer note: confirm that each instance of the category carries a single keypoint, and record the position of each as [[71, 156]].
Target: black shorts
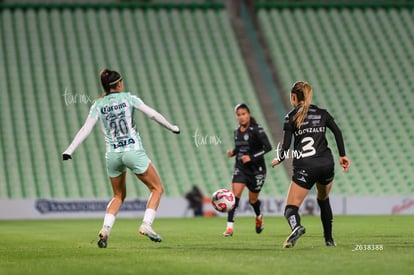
[[307, 178], [253, 180]]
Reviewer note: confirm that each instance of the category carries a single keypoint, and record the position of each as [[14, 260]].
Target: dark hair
[[109, 79], [244, 106]]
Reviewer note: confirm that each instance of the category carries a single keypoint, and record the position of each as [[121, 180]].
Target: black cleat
[[294, 236], [330, 242]]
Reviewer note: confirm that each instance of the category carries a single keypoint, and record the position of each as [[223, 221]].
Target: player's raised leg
[[119, 190], [295, 197], [152, 180]]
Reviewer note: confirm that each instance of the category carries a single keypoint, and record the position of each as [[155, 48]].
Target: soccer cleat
[[228, 232], [146, 230], [259, 224], [294, 236], [103, 238], [330, 242]]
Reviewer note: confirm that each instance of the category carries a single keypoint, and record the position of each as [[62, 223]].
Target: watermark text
[[368, 247], [71, 98], [281, 154], [200, 139]]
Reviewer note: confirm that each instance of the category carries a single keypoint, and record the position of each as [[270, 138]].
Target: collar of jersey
[[111, 93]]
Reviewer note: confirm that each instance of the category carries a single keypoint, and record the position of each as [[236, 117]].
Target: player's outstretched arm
[[153, 114], [80, 137]]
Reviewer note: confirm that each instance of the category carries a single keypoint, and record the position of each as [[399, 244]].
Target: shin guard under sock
[[292, 216], [231, 214], [256, 207]]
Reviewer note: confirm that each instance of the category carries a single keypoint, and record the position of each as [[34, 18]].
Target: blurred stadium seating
[[186, 63], [359, 61], [183, 62]]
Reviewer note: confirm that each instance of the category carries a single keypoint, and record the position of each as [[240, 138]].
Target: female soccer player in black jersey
[[313, 161], [249, 170]]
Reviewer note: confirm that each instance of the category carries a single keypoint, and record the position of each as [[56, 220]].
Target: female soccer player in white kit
[[115, 110]]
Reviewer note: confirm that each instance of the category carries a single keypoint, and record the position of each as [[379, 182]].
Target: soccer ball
[[223, 200]]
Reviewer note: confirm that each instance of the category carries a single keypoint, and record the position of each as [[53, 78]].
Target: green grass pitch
[[365, 245]]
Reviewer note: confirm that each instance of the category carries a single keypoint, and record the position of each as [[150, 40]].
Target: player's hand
[[245, 158], [66, 156], [176, 130], [275, 162], [345, 163], [230, 153]]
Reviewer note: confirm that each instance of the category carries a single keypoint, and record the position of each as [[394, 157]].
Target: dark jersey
[[310, 145], [253, 142]]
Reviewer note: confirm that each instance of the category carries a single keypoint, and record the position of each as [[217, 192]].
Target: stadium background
[[193, 61]]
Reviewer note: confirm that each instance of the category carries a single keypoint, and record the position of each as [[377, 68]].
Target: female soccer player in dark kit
[[115, 111], [251, 143], [312, 160]]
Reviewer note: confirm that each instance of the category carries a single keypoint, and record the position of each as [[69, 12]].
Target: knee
[[119, 197], [253, 201], [161, 190], [253, 197], [322, 197], [158, 189]]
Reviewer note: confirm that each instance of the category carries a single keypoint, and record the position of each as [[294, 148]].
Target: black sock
[[292, 216], [256, 207], [326, 218], [230, 215]]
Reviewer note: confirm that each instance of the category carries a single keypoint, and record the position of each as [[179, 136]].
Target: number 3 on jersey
[[308, 149]]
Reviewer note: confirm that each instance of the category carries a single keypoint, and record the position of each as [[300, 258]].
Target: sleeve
[[264, 140], [136, 101], [153, 114], [287, 139], [331, 124], [235, 149], [81, 135]]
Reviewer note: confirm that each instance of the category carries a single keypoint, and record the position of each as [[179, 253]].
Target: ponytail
[[303, 92]]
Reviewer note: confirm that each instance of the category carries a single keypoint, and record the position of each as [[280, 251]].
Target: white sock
[[230, 225], [109, 220], [149, 216]]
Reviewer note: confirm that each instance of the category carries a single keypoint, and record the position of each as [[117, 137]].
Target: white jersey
[[115, 112]]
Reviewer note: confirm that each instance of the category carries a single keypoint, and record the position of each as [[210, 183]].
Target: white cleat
[[103, 237], [146, 230]]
